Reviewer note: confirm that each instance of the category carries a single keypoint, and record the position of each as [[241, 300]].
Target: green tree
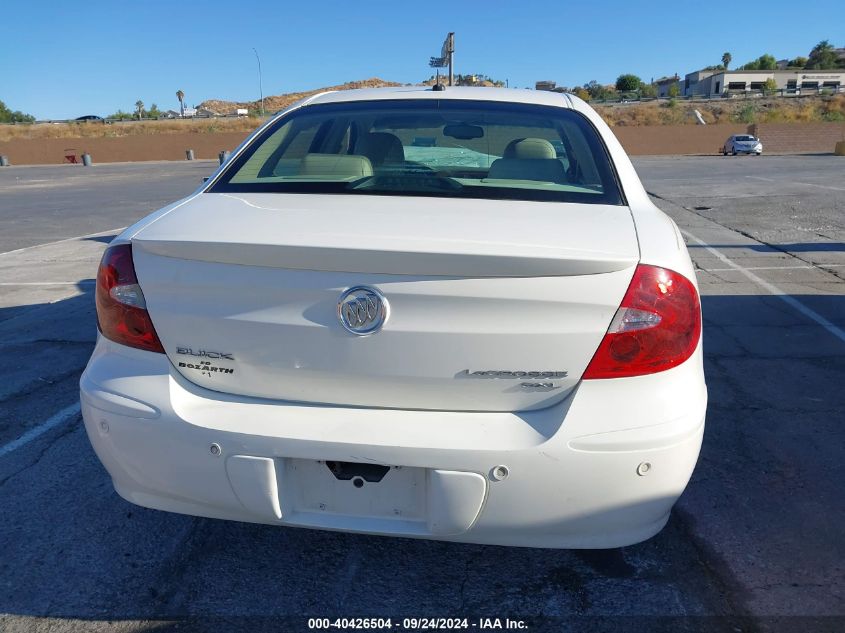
[[726, 60], [139, 109], [628, 83], [154, 112], [764, 62], [9, 116], [674, 90], [770, 86], [798, 62], [823, 57], [181, 96]]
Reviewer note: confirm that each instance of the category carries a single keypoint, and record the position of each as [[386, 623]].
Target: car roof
[[508, 95]]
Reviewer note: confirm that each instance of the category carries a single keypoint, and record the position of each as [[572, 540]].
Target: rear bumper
[[575, 474]]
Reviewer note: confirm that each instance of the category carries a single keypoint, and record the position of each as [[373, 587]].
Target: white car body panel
[[572, 479], [521, 291], [591, 463], [408, 235]]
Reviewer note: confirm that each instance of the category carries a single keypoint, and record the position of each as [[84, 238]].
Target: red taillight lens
[[656, 327], [121, 310]]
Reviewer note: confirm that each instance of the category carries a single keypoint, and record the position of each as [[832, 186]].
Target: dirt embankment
[[676, 139], [643, 129], [279, 102], [792, 138], [803, 109], [785, 125], [123, 149]]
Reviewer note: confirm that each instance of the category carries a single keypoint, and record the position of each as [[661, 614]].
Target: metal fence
[[791, 93]]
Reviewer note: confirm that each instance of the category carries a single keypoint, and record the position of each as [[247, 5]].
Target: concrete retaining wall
[[788, 138], [675, 139], [120, 149], [799, 138]]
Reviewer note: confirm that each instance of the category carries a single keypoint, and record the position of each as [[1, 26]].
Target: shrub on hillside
[[8, 116], [748, 114]]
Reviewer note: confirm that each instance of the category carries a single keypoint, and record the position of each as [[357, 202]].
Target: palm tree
[[726, 60], [181, 96], [139, 105]]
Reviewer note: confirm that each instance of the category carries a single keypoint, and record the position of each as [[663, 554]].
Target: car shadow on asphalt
[[103, 239]]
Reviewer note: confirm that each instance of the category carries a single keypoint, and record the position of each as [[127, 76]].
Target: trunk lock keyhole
[[358, 482]]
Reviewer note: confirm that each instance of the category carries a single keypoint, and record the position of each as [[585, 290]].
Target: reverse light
[[656, 327], [121, 309]]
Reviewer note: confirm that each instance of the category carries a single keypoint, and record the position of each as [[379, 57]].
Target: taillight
[[121, 310], [656, 327]]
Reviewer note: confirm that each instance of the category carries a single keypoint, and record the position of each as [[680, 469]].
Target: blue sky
[[65, 59]]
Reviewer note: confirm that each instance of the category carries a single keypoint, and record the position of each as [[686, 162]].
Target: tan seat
[[334, 166], [528, 159], [381, 148]]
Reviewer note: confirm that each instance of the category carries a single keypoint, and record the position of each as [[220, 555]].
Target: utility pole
[[447, 52], [260, 87], [450, 50]]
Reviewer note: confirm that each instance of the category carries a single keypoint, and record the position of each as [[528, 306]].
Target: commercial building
[[664, 86], [710, 83]]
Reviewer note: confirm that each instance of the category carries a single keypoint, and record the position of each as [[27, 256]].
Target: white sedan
[[448, 314], [742, 144]]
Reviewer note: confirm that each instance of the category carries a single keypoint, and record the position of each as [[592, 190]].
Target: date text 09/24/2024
[[416, 624]]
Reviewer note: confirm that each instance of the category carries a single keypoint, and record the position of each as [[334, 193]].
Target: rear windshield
[[460, 149]]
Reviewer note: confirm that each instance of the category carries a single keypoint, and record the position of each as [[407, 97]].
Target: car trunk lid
[[494, 305]]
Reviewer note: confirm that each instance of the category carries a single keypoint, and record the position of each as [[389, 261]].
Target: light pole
[[260, 88]]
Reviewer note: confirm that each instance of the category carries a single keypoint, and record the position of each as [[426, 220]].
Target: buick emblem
[[362, 310]]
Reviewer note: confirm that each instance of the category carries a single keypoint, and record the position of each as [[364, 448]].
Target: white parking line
[[53, 421], [68, 239], [772, 289], [83, 282], [797, 182], [722, 270]]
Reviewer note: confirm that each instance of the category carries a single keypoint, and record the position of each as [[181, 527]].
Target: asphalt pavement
[[755, 544], [53, 202]]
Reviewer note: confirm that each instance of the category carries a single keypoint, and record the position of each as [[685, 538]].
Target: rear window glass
[[444, 148]]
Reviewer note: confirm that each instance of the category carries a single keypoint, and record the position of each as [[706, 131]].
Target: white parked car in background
[[742, 144], [442, 314]]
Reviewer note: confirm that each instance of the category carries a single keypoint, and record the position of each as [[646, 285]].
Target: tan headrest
[[380, 148], [530, 148]]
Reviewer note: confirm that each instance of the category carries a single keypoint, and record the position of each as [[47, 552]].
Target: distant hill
[[278, 102]]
